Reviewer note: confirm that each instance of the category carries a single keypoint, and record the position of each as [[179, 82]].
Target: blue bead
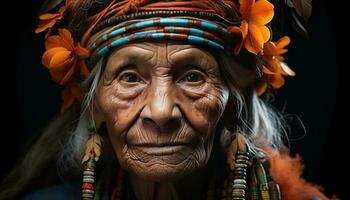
[[158, 35], [174, 21], [117, 32], [143, 33], [209, 25], [103, 51], [120, 41], [195, 39], [144, 24], [194, 31], [105, 37]]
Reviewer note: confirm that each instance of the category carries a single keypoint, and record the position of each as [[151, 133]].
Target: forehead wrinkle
[[202, 59], [138, 54]]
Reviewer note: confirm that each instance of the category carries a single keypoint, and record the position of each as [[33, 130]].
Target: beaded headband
[[225, 25], [194, 31]]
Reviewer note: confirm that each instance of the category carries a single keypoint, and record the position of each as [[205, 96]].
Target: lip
[[162, 149]]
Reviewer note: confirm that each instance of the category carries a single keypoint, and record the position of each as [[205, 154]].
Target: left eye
[[193, 77], [130, 77]]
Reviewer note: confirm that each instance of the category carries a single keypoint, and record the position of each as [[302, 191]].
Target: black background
[[316, 95]]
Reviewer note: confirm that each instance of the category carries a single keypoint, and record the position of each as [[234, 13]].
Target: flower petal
[[283, 42], [60, 71], [43, 25], [53, 41], [276, 80], [261, 12], [286, 70], [67, 38], [267, 71], [254, 42], [48, 16], [47, 56], [81, 51], [59, 58], [269, 49], [245, 7], [244, 28], [274, 66], [265, 33]]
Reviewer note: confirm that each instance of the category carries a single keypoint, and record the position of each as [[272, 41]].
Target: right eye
[[130, 77]]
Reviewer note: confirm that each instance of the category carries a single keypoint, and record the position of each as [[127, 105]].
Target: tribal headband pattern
[[224, 25]]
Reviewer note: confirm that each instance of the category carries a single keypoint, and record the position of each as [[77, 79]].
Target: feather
[[93, 148], [287, 172], [239, 144], [303, 8]]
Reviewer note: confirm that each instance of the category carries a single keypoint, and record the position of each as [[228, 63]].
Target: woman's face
[[161, 103]]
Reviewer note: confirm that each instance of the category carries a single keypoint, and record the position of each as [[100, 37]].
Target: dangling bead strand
[[263, 186], [91, 156], [240, 173], [87, 188]]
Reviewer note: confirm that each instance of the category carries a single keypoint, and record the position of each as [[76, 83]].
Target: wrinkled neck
[[193, 186]]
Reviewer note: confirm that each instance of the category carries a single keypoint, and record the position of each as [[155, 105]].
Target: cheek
[[204, 106], [119, 106]]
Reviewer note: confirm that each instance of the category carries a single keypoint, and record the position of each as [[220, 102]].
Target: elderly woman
[[161, 101]]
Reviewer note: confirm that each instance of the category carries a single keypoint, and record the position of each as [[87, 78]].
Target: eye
[[130, 77], [193, 77]]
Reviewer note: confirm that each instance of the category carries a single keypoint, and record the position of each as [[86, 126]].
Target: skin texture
[[161, 103]]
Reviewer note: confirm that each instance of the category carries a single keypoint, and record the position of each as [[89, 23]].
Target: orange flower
[[255, 16], [48, 20], [275, 68], [63, 58], [70, 94]]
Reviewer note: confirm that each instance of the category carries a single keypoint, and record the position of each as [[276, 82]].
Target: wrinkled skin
[[161, 103]]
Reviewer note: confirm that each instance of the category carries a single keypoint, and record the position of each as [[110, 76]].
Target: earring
[[238, 158], [91, 156]]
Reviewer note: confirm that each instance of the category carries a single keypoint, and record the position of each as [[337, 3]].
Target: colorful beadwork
[[87, 188], [263, 186], [194, 31], [240, 172]]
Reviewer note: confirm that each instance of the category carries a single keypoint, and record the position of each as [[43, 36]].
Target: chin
[[163, 168]]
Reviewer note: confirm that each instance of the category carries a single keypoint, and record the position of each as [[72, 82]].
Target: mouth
[[160, 149]]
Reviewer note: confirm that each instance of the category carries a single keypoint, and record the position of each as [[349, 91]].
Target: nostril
[[148, 120], [169, 126]]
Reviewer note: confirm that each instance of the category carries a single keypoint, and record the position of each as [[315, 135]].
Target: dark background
[[315, 95]]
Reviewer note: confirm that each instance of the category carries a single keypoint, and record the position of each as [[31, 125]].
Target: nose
[[161, 108]]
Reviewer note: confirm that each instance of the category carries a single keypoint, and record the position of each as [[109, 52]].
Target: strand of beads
[[263, 186], [240, 173], [87, 187]]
